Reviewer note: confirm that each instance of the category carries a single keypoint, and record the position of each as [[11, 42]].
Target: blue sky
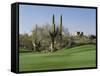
[[75, 19]]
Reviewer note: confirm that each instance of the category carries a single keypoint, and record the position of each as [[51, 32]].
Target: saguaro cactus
[[53, 34], [53, 23], [60, 24], [60, 31]]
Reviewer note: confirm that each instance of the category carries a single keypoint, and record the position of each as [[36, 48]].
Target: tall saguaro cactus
[[60, 31], [61, 24], [53, 23], [53, 34]]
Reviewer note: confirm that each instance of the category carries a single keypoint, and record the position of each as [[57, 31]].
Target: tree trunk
[[34, 46], [51, 48]]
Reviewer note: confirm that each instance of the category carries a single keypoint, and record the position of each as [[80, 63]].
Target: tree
[[81, 34], [25, 41], [78, 33], [92, 38], [71, 42], [35, 41]]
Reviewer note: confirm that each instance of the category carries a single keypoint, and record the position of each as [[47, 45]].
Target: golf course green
[[66, 58]]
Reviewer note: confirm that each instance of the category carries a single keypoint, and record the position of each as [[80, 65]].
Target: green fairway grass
[[76, 57]]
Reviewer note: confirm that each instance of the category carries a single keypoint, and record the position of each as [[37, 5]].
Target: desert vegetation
[[51, 38]]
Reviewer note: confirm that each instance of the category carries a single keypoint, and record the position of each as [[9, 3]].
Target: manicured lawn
[[76, 57]]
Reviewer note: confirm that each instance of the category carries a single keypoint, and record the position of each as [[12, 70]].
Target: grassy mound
[[76, 57]]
